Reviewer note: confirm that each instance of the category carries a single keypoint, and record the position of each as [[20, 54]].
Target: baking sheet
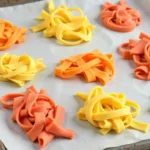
[[63, 91]]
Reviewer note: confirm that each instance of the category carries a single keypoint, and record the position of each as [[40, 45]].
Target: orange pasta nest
[[120, 17], [139, 51], [10, 34], [92, 65], [38, 115]]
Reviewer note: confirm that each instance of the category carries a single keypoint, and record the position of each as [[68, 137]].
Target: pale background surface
[[63, 91]]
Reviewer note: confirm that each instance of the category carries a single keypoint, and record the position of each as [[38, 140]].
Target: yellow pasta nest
[[110, 111], [61, 23], [19, 69]]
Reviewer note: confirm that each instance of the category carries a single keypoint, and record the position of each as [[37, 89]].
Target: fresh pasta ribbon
[[120, 17], [38, 115], [10, 34], [61, 23], [139, 52], [110, 111], [19, 69], [92, 65]]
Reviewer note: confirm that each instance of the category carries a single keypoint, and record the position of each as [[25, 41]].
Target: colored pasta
[[38, 115], [92, 65], [19, 69], [69, 29], [139, 51], [120, 17], [110, 111], [10, 34]]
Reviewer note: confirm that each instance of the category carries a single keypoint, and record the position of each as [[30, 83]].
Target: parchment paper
[[62, 91]]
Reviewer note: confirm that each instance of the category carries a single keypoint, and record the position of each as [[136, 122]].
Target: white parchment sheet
[[62, 91]]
